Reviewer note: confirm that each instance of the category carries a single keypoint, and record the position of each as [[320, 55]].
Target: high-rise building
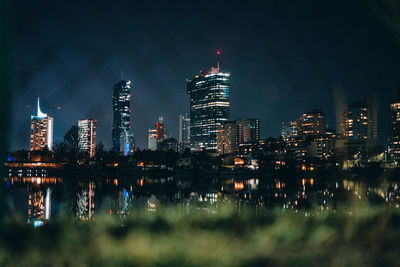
[[394, 139], [209, 107], [184, 131], [152, 141], [41, 130], [356, 123], [227, 138], [160, 128], [87, 136], [247, 130], [156, 134], [372, 103], [312, 123], [232, 134], [289, 130], [122, 136]]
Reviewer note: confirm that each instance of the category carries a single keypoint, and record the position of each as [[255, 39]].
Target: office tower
[[372, 103], [152, 141], [356, 123], [184, 131], [160, 128], [209, 107], [312, 123], [227, 138], [289, 130], [394, 139], [156, 134], [247, 130], [123, 141], [87, 136], [41, 130]]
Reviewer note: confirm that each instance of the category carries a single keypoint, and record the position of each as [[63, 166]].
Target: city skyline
[[283, 60]]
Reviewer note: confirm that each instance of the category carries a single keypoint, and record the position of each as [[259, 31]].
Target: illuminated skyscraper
[[184, 131], [122, 136], [209, 107], [152, 141], [41, 130], [87, 136], [160, 128]]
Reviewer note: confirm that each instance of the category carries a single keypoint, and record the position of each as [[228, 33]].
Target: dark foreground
[[362, 236]]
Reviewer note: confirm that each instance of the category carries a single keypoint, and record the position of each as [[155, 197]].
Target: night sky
[[285, 57]]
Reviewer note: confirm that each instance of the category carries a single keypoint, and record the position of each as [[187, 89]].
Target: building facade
[[394, 139], [87, 136], [312, 123], [122, 136], [209, 107], [41, 135], [356, 122], [184, 131]]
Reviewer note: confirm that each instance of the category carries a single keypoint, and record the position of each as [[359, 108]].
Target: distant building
[[312, 123], [226, 138], [247, 130], [232, 134], [356, 122], [394, 138], [122, 136], [209, 107], [169, 144], [152, 140], [156, 134], [184, 131], [87, 136], [41, 131], [289, 130]]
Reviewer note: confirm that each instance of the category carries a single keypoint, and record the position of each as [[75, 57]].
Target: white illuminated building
[[87, 136], [41, 130]]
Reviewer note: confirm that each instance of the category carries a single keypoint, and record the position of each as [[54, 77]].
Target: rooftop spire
[[218, 53], [122, 75], [40, 114]]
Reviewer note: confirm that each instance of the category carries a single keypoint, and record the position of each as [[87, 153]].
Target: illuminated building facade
[[184, 131], [123, 140], [87, 136], [156, 135], [226, 138], [247, 130], [152, 141], [394, 140], [312, 123], [289, 130], [209, 107], [232, 134], [355, 122], [41, 131]]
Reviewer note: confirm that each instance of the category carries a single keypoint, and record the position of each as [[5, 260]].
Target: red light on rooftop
[[218, 52]]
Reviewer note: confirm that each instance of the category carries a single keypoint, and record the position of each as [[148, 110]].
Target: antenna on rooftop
[[122, 75], [218, 53]]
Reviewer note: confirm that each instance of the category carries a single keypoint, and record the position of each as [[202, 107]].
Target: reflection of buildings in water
[[85, 202], [120, 205], [39, 205]]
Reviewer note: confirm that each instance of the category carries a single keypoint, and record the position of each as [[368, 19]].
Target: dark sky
[[285, 57]]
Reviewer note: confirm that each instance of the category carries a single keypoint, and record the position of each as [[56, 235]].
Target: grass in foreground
[[170, 237]]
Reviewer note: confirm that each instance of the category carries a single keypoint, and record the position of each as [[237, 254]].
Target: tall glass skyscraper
[[122, 136], [209, 107]]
